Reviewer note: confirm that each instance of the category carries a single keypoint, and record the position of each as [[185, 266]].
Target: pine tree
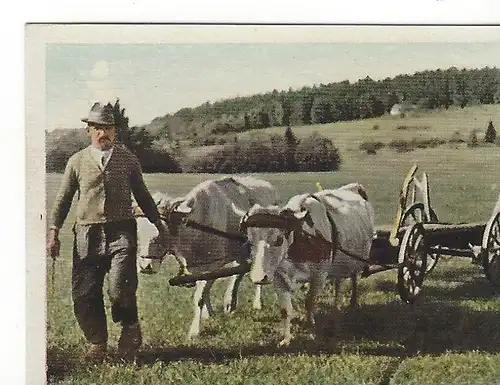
[[473, 141], [491, 133], [121, 123], [291, 143]]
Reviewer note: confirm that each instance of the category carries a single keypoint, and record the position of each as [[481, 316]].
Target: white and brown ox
[[314, 237], [208, 204]]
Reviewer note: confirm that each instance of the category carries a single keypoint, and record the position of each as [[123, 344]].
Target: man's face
[[102, 136]]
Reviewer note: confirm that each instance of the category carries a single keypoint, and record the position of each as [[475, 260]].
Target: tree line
[[278, 153], [332, 102]]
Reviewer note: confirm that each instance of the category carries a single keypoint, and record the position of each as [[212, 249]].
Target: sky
[[152, 80]]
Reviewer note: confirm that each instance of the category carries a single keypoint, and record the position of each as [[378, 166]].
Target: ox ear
[[185, 207], [239, 212], [157, 198]]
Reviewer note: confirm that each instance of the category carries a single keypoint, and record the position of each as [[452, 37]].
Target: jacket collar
[[96, 161]]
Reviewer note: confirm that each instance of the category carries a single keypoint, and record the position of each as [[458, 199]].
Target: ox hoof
[[205, 314], [228, 311]]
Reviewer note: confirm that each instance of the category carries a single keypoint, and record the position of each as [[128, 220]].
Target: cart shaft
[[466, 253]]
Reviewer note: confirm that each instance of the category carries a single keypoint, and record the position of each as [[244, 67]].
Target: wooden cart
[[418, 239]]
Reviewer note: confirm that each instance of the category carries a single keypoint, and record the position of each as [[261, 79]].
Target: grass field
[[420, 124], [454, 328]]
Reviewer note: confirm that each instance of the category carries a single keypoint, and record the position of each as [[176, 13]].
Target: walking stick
[[53, 276], [54, 256]]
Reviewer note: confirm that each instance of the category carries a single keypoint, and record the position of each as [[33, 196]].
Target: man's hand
[[53, 244]]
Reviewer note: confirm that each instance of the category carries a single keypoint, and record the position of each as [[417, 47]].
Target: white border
[[426, 12]]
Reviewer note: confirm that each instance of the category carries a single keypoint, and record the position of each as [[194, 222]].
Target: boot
[[130, 339]]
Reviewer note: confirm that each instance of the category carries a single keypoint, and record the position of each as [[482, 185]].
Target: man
[[105, 232]]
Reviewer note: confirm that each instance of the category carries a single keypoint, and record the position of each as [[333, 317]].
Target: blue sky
[[155, 79]]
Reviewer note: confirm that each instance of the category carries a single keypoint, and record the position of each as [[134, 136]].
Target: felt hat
[[99, 114]]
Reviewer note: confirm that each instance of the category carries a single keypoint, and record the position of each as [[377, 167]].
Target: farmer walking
[[105, 234]]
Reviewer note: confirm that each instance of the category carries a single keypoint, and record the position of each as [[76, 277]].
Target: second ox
[[211, 241], [312, 238]]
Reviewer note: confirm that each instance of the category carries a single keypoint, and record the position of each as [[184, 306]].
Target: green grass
[[454, 330]]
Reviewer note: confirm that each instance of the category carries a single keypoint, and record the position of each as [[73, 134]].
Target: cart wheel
[[432, 260], [416, 214], [491, 250], [412, 263]]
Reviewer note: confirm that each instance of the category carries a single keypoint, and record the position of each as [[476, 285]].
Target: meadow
[[450, 337]]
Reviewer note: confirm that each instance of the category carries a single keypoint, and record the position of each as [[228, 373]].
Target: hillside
[[439, 123], [213, 123]]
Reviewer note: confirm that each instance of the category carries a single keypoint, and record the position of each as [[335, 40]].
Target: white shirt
[[101, 156]]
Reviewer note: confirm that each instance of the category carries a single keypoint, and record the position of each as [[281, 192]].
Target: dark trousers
[[99, 249]]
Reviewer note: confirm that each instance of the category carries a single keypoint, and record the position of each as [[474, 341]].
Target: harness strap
[[210, 230], [207, 229]]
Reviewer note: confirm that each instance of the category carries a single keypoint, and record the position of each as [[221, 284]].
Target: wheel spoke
[[494, 240]]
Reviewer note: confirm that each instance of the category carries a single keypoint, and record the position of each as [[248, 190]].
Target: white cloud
[[100, 86], [100, 70]]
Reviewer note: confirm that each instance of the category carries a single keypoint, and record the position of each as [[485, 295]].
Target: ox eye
[[278, 242]]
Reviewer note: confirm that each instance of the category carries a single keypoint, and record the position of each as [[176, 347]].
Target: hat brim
[[86, 120]]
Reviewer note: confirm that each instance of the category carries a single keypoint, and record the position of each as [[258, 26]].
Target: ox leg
[[317, 284], [231, 294], [286, 310], [336, 303], [353, 305], [194, 330], [206, 309], [183, 270], [257, 299]]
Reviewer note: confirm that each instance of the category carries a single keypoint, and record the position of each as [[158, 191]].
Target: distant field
[[460, 340], [421, 124]]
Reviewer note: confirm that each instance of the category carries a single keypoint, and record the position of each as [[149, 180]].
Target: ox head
[[270, 233], [150, 251]]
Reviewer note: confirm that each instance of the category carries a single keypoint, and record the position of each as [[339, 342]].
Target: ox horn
[[239, 212], [185, 207]]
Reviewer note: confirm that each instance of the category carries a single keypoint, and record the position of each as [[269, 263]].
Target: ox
[[208, 204], [312, 238]]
